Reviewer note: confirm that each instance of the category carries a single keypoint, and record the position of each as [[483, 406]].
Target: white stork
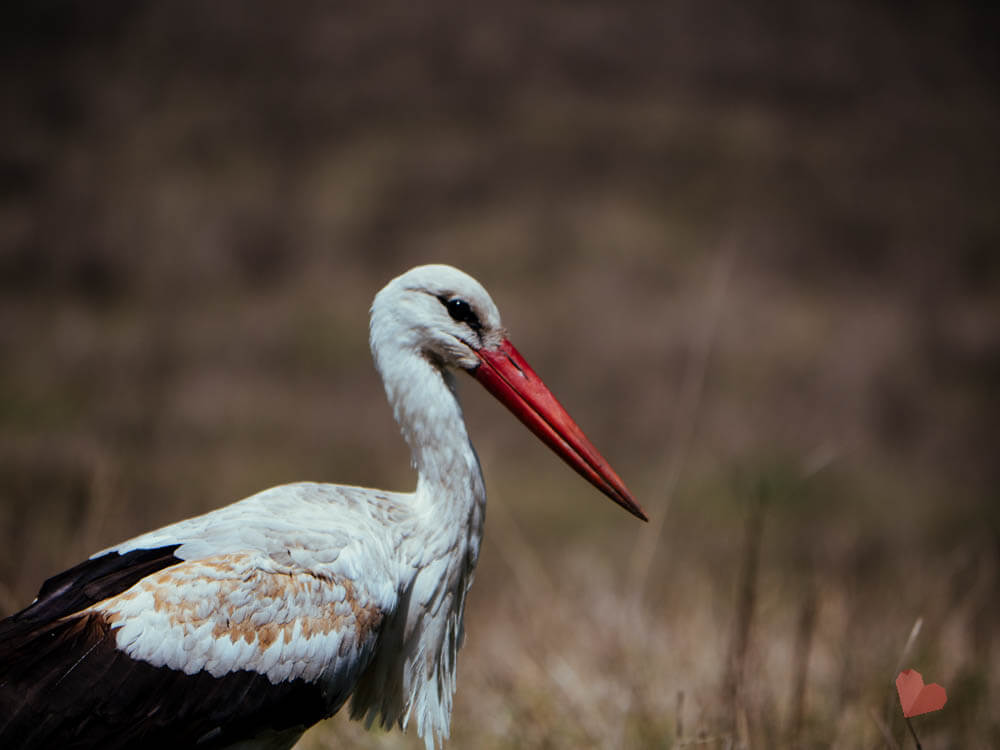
[[245, 626]]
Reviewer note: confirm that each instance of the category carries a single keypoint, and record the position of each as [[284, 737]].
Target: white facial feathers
[[412, 313]]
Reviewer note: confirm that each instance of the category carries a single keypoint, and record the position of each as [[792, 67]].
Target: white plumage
[[271, 612]]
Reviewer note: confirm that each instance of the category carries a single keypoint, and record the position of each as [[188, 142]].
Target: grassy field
[[754, 252]]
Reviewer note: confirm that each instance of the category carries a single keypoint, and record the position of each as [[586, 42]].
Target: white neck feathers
[[440, 555]]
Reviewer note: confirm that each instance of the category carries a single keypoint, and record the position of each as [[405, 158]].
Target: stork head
[[447, 317], [444, 314]]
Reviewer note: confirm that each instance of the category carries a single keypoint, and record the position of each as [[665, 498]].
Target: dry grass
[[583, 666]]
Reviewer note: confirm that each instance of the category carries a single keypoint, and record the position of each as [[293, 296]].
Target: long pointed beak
[[506, 375]]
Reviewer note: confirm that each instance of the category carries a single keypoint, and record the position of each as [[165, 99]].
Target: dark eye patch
[[461, 311]]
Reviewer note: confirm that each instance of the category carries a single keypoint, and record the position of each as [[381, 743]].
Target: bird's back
[[254, 621]]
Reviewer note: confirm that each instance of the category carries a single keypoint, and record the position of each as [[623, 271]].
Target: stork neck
[[430, 417], [439, 556]]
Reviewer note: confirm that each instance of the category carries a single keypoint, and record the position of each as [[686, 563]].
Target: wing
[[81, 586], [143, 647]]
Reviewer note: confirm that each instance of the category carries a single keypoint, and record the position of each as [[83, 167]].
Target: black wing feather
[[79, 691], [84, 585]]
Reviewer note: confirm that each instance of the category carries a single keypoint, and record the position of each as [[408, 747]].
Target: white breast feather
[[243, 611], [292, 583]]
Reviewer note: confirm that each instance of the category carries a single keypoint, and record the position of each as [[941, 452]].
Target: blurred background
[[752, 248]]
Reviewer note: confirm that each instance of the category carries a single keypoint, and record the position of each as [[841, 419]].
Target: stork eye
[[461, 312]]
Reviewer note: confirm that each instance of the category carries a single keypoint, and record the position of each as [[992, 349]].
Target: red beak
[[506, 375]]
